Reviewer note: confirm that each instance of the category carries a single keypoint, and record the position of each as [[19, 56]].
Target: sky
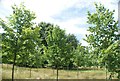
[[70, 15]]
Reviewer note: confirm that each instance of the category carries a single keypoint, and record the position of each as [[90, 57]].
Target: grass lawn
[[48, 73]]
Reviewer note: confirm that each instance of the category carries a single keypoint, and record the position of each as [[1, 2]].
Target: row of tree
[[25, 43]]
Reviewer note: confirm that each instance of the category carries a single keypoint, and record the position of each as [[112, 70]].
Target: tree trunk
[[57, 73], [106, 74], [77, 73], [30, 72], [13, 66], [106, 71], [14, 59], [68, 71]]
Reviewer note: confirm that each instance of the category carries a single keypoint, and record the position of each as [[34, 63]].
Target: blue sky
[[70, 15]]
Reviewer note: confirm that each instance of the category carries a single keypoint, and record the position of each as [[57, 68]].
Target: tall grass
[[48, 73]]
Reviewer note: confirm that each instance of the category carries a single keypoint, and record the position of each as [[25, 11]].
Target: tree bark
[[30, 72], [13, 66], [14, 59], [106, 71], [57, 72], [77, 73]]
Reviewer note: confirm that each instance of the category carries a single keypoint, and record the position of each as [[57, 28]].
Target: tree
[[103, 32], [58, 48], [103, 29], [20, 34]]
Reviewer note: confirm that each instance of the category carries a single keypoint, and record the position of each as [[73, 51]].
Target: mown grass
[[48, 73]]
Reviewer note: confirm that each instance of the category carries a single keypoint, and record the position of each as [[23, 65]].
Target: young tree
[[20, 34], [56, 41], [103, 31]]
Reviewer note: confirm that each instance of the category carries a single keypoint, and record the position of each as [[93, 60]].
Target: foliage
[[18, 31], [56, 43], [112, 57], [103, 34], [38, 45], [103, 28], [82, 56]]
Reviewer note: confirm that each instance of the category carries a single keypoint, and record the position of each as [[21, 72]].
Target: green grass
[[48, 73]]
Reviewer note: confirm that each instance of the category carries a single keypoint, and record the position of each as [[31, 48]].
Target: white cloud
[[70, 26], [45, 9]]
